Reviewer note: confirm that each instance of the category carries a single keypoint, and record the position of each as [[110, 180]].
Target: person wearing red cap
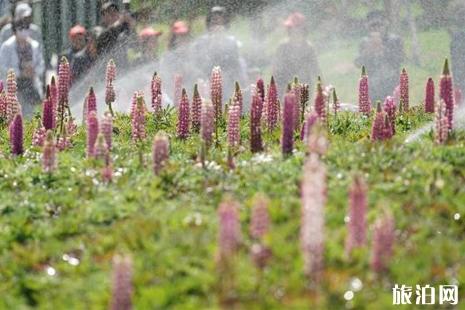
[[296, 56], [180, 35], [148, 45]]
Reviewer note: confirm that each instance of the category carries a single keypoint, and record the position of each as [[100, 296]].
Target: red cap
[[78, 29], [149, 32], [296, 19], [180, 27]]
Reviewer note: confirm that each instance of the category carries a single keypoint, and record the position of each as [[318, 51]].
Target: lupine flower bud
[[336, 104], [446, 94], [110, 77], [304, 100], [234, 134], [287, 140], [138, 117], [39, 136], [390, 110], [49, 153], [177, 89], [377, 129], [312, 236], [91, 101], [106, 128], [364, 105], [121, 295], [196, 109], [307, 126], [47, 112], [238, 98], [183, 116], [382, 244], [404, 91], [429, 97], [442, 123], [216, 88], [54, 98], [156, 94], [356, 226], [160, 151], [255, 124], [260, 219], [320, 104], [12, 104], [16, 135], [64, 80], [92, 132], [207, 120], [229, 230], [272, 106]]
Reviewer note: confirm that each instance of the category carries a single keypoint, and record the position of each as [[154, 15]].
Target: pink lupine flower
[[178, 80], [3, 101], [377, 129], [54, 98], [320, 104], [196, 109], [336, 104], [47, 112], [71, 127], [442, 123], [121, 295], [387, 130], [138, 117], [234, 134], [404, 91], [229, 230], [49, 153], [311, 120], [382, 243], [260, 219], [255, 124], [312, 235], [238, 98], [63, 143], [364, 105], [356, 226], [156, 94], [216, 88], [261, 89], [106, 129], [16, 135], [304, 101], [183, 116], [429, 97], [39, 136], [271, 109], [457, 95], [207, 123], [92, 132], [287, 140], [390, 110], [91, 101], [446, 93], [12, 105], [64, 80], [160, 151]]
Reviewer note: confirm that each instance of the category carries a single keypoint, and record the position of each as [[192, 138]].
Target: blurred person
[[24, 55], [78, 56], [179, 35], [22, 14], [148, 45], [296, 56], [382, 53], [457, 45]]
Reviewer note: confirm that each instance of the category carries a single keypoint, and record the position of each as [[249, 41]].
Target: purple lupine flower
[[70, 126], [356, 226], [320, 103], [138, 117], [49, 153], [311, 120], [178, 80], [12, 105], [121, 295], [91, 101], [207, 122], [156, 94], [377, 129], [54, 99], [160, 151], [287, 140], [110, 76], [336, 104], [261, 89], [196, 109], [256, 144], [64, 80], [390, 110], [234, 134], [442, 123], [429, 96], [47, 112], [446, 93], [92, 132], [183, 116], [312, 235], [216, 88], [304, 101], [38, 138], [106, 128], [364, 105], [404, 91], [229, 230], [387, 130], [271, 109], [238, 98], [382, 243], [260, 219], [16, 135]]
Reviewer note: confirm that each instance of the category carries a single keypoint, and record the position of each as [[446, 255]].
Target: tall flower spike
[[207, 123], [160, 151], [91, 101], [233, 126], [110, 77], [442, 123], [256, 144], [156, 94], [101, 149], [364, 105], [383, 242], [12, 104], [336, 104], [196, 109], [261, 89], [356, 226], [49, 153], [47, 112], [54, 99], [138, 117], [16, 135], [304, 101], [272, 106], [311, 120], [229, 231], [64, 80], [92, 132], [312, 235], [287, 140], [320, 103], [178, 80], [390, 110], [3, 102], [183, 116], [446, 93], [377, 128], [121, 295], [106, 129], [238, 98], [404, 91], [387, 130], [216, 88]]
